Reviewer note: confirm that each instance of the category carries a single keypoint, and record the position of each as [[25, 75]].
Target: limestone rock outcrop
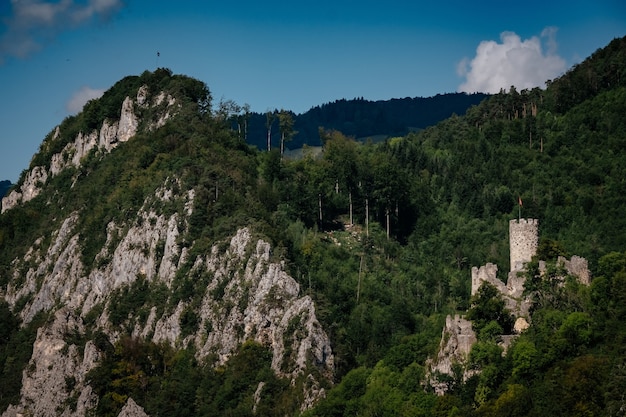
[[247, 296], [457, 339], [29, 189], [110, 134], [268, 309], [131, 409], [56, 375]]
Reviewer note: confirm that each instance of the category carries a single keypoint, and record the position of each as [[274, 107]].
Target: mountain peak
[[145, 102]]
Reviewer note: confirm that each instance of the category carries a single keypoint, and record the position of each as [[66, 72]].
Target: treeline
[[363, 119]]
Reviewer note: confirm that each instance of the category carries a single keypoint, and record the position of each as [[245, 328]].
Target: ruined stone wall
[[523, 241], [486, 273], [511, 293]]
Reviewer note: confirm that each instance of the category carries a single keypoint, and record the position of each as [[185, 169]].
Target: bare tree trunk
[[358, 287], [320, 207], [282, 145], [367, 217], [350, 199], [387, 216]]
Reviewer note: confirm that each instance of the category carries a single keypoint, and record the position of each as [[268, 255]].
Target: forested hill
[[562, 150], [361, 118], [149, 257]]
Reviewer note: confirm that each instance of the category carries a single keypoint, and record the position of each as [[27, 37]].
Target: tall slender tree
[[285, 125], [270, 116]]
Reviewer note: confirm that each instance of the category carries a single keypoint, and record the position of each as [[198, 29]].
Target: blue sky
[[54, 55]]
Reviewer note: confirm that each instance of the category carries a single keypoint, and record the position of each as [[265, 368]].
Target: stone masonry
[[458, 335], [523, 241]]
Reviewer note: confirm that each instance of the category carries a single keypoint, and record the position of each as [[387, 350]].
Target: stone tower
[[523, 241]]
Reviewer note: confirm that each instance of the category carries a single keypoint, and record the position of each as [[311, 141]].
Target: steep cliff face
[[111, 133], [54, 381], [210, 300], [246, 296], [457, 339]]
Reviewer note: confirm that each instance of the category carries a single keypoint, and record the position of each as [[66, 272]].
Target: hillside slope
[[152, 262], [364, 119], [116, 239]]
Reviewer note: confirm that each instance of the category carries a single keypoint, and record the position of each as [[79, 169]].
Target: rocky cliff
[[258, 301], [111, 133], [457, 339], [207, 298]]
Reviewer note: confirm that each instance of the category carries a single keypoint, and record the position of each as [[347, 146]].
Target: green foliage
[[381, 236], [380, 391], [165, 381], [16, 348], [189, 321], [128, 300], [524, 357], [550, 250], [488, 313], [5, 186]]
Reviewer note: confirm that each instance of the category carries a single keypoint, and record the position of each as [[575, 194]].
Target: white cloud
[[32, 23], [513, 62], [82, 96]]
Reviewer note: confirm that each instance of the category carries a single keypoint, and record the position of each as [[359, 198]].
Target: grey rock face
[[56, 372], [131, 409], [457, 339], [29, 189], [269, 309], [110, 134], [249, 296]]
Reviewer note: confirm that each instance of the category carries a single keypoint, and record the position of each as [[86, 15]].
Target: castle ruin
[[523, 243], [458, 335]]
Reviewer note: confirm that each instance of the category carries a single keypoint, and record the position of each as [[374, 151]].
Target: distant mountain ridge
[[4, 187], [360, 118]]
